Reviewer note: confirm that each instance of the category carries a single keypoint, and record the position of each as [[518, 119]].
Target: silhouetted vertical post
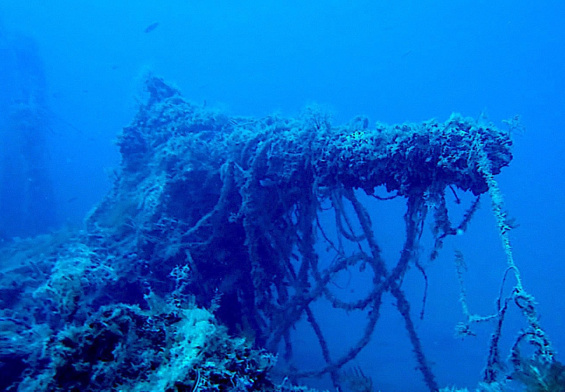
[[26, 194]]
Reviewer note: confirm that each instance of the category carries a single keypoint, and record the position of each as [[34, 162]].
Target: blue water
[[393, 61]]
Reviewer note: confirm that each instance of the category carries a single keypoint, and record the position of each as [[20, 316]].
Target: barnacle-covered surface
[[218, 212]]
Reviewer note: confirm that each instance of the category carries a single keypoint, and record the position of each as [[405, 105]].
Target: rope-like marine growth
[[535, 335], [237, 202]]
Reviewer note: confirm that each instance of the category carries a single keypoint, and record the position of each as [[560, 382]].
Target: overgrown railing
[[226, 209]]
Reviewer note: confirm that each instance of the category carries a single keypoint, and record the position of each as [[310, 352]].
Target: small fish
[[151, 27], [407, 53]]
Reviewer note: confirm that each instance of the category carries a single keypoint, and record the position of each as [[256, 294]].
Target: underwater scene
[[348, 196]]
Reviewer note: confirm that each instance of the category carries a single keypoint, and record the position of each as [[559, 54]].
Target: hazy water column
[[26, 195]]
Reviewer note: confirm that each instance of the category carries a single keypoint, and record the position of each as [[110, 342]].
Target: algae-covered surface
[[194, 271]]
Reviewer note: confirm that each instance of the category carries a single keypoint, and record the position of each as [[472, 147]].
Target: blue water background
[[393, 61]]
